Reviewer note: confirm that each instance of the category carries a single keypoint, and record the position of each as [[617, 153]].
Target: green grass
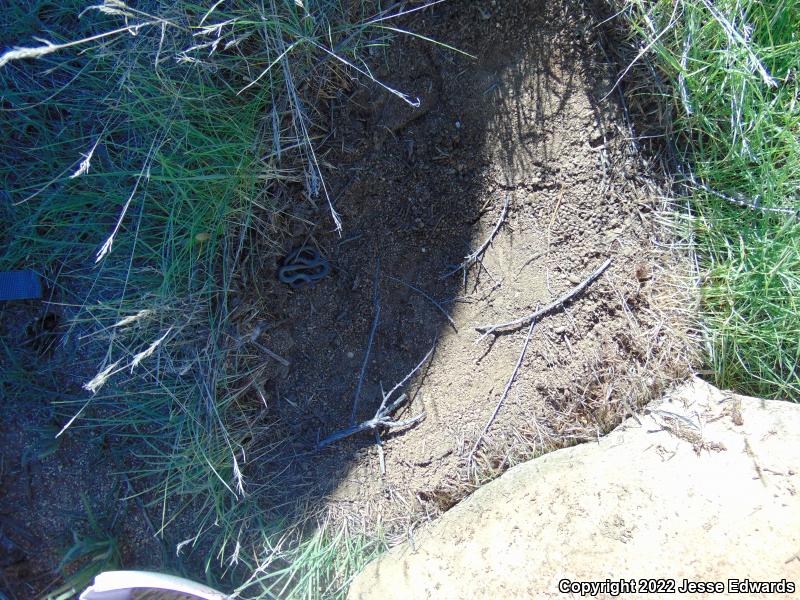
[[91, 552], [141, 177], [303, 565], [174, 142], [180, 151], [730, 100]]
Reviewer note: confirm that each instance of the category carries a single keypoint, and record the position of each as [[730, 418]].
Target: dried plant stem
[[503, 395], [533, 317], [382, 418], [428, 298], [377, 303], [476, 256]]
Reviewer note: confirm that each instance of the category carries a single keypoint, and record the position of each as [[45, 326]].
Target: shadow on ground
[[418, 190]]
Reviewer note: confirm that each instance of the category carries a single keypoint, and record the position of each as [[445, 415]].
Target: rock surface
[[703, 486]]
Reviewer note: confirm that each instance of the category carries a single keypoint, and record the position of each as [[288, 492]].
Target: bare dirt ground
[[44, 480], [526, 121]]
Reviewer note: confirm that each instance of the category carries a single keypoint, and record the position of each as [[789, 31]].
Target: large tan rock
[[704, 486]]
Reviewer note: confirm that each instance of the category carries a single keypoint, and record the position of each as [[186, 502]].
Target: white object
[[120, 585]]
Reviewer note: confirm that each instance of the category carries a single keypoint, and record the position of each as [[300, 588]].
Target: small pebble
[[350, 355]]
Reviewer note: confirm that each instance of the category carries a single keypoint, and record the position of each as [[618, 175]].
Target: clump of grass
[[147, 147], [727, 75], [92, 552], [133, 183], [307, 565]]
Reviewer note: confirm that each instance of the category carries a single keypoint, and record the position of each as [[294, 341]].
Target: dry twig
[[381, 457], [252, 338], [475, 256], [503, 395], [752, 204], [382, 419], [533, 317], [377, 302], [427, 297]]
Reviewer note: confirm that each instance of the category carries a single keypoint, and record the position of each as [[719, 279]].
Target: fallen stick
[[252, 337], [475, 256], [427, 297], [382, 419], [412, 371], [503, 395], [740, 201], [271, 354], [377, 303], [533, 317]]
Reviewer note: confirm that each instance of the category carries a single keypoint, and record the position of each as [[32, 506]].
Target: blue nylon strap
[[20, 285]]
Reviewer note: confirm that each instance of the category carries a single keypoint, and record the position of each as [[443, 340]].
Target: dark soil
[[418, 190], [47, 481]]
